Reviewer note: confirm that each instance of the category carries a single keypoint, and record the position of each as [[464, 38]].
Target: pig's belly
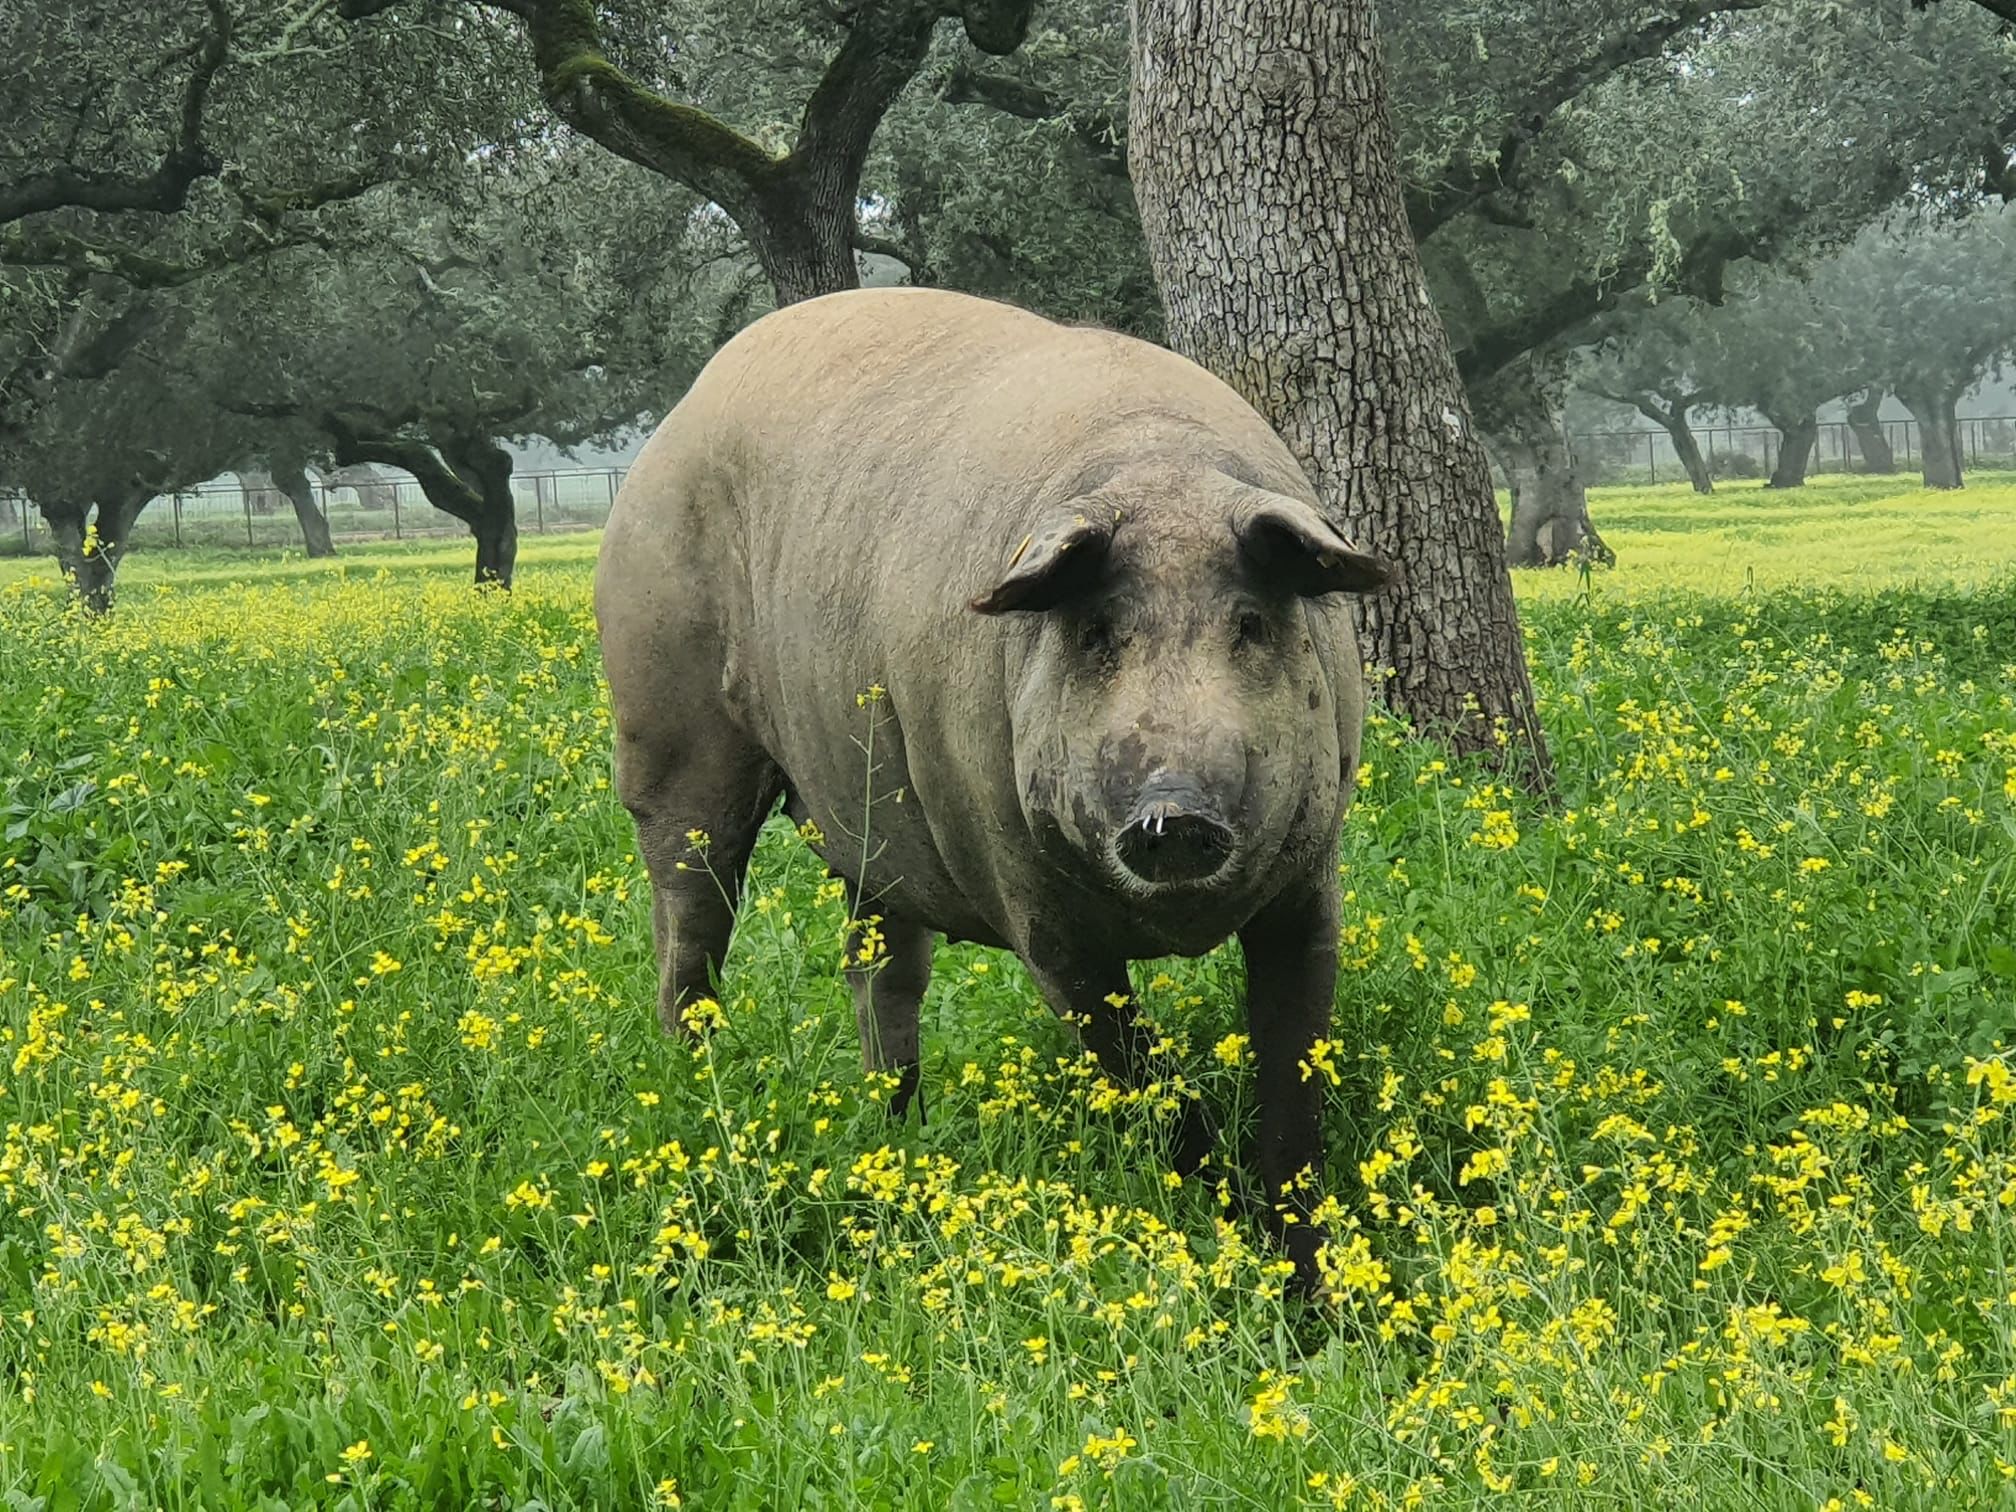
[[895, 869]]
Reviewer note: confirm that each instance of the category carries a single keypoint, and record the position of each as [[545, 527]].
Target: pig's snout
[[1172, 834]]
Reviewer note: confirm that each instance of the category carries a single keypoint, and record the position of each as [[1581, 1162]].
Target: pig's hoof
[[690, 1018], [1195, 1134], [909, 1090]]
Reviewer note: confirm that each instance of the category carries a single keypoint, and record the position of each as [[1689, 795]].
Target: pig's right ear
[[1053, 563]]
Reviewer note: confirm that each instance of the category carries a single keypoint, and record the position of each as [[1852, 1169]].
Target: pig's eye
[[1096, 635], [1252, 628]]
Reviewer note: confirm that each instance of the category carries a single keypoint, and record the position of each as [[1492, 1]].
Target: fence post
[[246, 495], [395, 510], [1652, 458], [178, 521], [539, 499], [609, 479]]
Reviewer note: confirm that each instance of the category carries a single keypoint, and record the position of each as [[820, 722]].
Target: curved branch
[[445, 488], [601, 101], [166, 187]]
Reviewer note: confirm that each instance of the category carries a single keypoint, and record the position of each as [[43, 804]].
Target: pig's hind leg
[[889, 968], [699, 793]]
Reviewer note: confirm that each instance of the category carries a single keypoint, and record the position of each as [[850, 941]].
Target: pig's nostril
[[1163, 842]]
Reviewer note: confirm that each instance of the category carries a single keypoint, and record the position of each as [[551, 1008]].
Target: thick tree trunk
[[1796, 438], [373, 492], [291, 478], [258, 492], [1264, 163], [1550, 526], [487, 466], [1938, 436], [1670, 412], [89, 551], [804, 245], [467, 478], [1865, 422]]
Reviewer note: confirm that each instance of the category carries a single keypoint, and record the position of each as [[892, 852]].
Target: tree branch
[[1098, 132], [166, 187], [882, 246], [601, 101], [60, 249], [445, 488], [1464, 181]]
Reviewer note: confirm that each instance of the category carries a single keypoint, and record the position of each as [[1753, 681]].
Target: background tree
[[1933, 310], [550, 303], [1865, 423], [1521, 410], [1641, 357], [1779, 347], [152, 147], [1263, 157], [656, 83], [91, 495]]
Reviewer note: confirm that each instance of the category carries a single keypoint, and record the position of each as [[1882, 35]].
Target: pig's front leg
[[1291, 982], [1098, 998]]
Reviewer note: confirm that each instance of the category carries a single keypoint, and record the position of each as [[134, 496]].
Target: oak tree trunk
[[1796, 438], [1938, 435], [89, 551], [257, 490], [1670, 412], [1520, 405], [291, 478], [487, 467], [1263, 159], [1866, 424], [803, 237]]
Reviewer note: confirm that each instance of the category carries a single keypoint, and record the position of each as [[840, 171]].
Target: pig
[[1039, 634]]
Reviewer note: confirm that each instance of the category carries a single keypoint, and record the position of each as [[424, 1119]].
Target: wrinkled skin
[[1117, 695]]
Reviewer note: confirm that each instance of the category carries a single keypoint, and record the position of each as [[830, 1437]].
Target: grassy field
[[1672, 1154]]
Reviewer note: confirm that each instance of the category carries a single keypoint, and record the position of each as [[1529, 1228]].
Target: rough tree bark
[[1521, 410], [466, 477], [1797, 435], [1263, 159], [1866, 424], [90, 558], [1938, 434], [291, 478]]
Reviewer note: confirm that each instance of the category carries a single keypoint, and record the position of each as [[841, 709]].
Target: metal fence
[[1751, 451], [225, 515]]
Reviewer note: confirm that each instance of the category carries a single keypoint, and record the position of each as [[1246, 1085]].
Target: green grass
[[343, 1161]]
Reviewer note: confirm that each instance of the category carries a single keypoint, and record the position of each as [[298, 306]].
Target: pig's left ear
[[1294, 547], [1054, 562]]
